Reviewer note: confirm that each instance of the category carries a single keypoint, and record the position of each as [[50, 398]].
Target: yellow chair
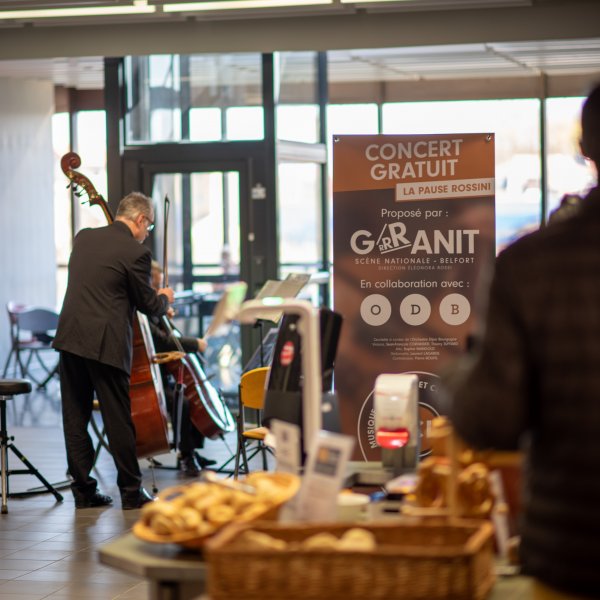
[[251, 399]]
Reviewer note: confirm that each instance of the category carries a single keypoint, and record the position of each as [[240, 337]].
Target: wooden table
[[172, 572], [177, 574]]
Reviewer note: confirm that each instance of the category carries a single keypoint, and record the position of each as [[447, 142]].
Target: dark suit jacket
[[109, 278], [537, 372]]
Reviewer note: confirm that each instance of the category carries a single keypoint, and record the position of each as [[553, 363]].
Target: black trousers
[[79, 379]]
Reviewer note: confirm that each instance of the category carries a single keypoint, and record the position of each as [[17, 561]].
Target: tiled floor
[[49, 549]]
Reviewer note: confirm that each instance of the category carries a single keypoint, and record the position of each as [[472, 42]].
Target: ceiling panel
[[464, 61], [378, 65], [85, 73]]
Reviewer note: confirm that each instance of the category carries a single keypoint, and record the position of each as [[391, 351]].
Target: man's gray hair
[[135, 204]]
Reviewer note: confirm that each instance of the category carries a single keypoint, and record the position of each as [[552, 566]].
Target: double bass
[[146, 392]]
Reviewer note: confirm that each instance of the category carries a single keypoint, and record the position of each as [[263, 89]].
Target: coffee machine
[[396, 430], [397, 422]]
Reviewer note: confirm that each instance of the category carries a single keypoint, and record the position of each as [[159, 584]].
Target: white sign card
[[323, 477], [287, 444]]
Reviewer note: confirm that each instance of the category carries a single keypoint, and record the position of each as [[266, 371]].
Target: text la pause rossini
[[457, 188]]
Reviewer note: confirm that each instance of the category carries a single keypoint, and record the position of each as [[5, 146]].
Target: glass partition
[[244, 123], [204, 226], [215, 224], [299, 219], [296, 97], [198, 98]]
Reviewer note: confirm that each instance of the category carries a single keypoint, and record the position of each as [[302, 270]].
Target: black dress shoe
[[130, 501], [203, 461], [188, 466], [91, 500]]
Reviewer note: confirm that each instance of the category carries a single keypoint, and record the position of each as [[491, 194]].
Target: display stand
[[308, 329]]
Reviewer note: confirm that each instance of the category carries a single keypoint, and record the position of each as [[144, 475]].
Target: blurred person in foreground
[[109, 279], [533, 381], [190, 462]]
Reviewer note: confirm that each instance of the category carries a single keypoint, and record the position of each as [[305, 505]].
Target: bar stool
[[8, 389]]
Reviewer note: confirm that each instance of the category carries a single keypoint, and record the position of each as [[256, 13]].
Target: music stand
[[263, 355], [287, 289]]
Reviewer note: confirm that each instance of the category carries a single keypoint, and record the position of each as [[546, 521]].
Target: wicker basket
[[288, 484], [424, 560]]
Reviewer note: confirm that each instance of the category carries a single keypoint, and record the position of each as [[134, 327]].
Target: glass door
[[203, 255]]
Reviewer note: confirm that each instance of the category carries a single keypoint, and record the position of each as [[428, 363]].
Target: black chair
[[31, 334], [99, 432], [8, 389]]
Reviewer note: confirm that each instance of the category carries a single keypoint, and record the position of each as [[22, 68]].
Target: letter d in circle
[[415, 309]]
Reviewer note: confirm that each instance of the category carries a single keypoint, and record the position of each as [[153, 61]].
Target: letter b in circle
[[455, 309]]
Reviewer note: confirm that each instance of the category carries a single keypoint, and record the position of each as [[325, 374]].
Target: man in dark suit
[[190, 462], [109, 279], [536, 375]]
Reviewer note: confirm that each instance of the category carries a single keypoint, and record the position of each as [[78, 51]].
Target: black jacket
[[537, 372], [109, 278]]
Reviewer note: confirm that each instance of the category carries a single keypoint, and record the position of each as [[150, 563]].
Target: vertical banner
[[413, 229]]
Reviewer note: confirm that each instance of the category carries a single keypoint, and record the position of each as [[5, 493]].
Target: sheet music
[[290, 287], [228, 306]]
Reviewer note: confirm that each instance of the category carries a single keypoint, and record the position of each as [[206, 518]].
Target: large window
[[62, 204], [218, 97], [90, 144], [71, 216], [350, 119], [299, 215]]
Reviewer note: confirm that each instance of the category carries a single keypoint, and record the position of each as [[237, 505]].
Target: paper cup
[[351, 507]]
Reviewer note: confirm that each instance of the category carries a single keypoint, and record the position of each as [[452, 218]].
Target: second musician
[[190, 462]]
